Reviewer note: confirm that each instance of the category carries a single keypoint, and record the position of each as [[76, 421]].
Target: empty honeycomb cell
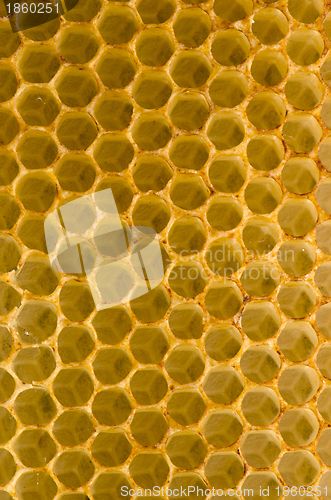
[[77, 44], [188, 111], [228, 89], [109, 483], [9, 126], [263, 195], [222, 342], [186, 406], [192, 26], [154, 47], [112, 325], [185, 364], [256, 482], [9, 211], [323, 447], [148, 385], [111, 365], [233, 11], [152, 89], [36, 321], [260, 279], [260, 320], [7, 385], [223, 299], [223, 384], [73, 427], [224, 213], [186, 321], [323, 360], [152, 211], [149, 469], [323, 279], [190, 69], [33, 364], [297, 217], [121, 189], [301, 132], [296, 258], [151, 172], [304, 91], [260, 406], [298, 468], [186, 449], [34, 447], [36, 149], [148, 427], [224, 256], [325, 71], [184, 480], [152, 306], [7, 425], [10, 253], [323, 321], [300, 175], [116, 68], [266, 111], [189, 152], [33, 483], [297, 340], [269, 67], [8, 468], [296, 299], [74, 344], [323, 234], [9, 167], [35, 406], [37, 106], [306, 11], [152, 13], [151, 131], [230, 47], [270, 25], [8, 81], [113, 152], [9, 41], [76, 301], [37, 275], [260, 448], [224, 469], [222, 428], [265, 152], [227, 173], [298, 384], [76, 87], [117, 24], [36, 182], [38, 63], [73, 468], [111, 407], [187, 235], [323, 195], [323, 404], [76, 130], [260, 235], [226, 130], [187, 279], [326, 112], [10, 298], [75, 172], [260, 364], [298, 426], [73, 386], [111, 448], [305, 46]]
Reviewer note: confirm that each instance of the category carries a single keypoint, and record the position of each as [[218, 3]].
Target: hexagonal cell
[[35, 484], [8, 469], [149, 469], [113, 110], [224, 212], [324, 404], [73, 468], [76, 87], [263, 195], [189, 152], [298, 384], [186, 449], [9, 41], [266, 111], [154, 47], [222, 342], [113, 152], [260, 364], [188, 111], [222, 428], [296, 258], [300, 175], [230, 47], [260, 279], [73, 427], [36, 182], [192, 26], [74, 343], [75, 172], [111, 448], [233, 11], [298, 426], [223, 299], [227, 173], [110, 483], [297, 217], [184, 480], [260, 406], [256, 482], [9, 251], [322, 279], [116, 68], [37, 275], [224, 469], [226, 130], [76, 301], [122, 192], [228, 89], [151, 172], [298, 468], [304, 91], [305, 46], [111, 365], [7, 385], [223, 384], [324, 152], [190, 69], [323, 360], [77, 44], [9, 169], [296, 299], [7, 425], [38, 106], [38, 63], [187, 235], [186, 406], [323, 195], [31, 232], [265, 152], [323, 446], [112, 325], [34, 447], [260, 235], [36, 149], [149, 344], [270, 25], [33, 364], [8, 81], [111, 407], [76, 130], [9, 213], [185, 364], [269, 67], [148, 385], [260, 448], [297, 340], [73, 386], [151, 131], [6, 342], [224, 256], [306, 11], [187, 279], [152, 13], [188, 191], [149, 426], [152, 306], [117, 24], [35, 406], [9, 126], [36, 321], [323, 237]]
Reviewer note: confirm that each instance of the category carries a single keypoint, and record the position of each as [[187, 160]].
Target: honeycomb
[[209, 120]]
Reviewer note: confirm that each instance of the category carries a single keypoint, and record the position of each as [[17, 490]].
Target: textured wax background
[[214, 131]]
